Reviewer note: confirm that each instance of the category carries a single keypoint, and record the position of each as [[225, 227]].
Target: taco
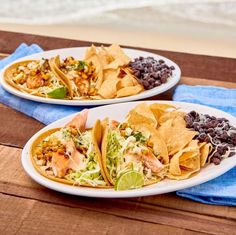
[[79, 74], [37, 77], [71, 154], [125, 148]]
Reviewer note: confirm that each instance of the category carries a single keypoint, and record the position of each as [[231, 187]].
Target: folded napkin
[[45, 113], [222, 190]]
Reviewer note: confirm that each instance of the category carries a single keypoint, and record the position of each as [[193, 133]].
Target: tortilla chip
[[179, 122], [176, 138], [160, 109], [172, 115], [110, 74], [184, 175], [118, 62], [91, 51], [186, 162], [141, 113], [205, 149], [104, 57], [128, 91], [127, 81], [120, 58], [108, 88]]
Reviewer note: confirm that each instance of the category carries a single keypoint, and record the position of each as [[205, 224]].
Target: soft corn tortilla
[[55, 65], [96, 138], [104, 145], [8, 76]]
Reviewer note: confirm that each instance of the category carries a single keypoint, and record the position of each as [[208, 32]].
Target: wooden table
[[28, 208]]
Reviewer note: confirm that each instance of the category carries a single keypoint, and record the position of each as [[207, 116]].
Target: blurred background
[[194, 26]]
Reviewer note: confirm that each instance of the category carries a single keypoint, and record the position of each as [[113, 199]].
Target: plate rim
[[143, 95], [111, 193]]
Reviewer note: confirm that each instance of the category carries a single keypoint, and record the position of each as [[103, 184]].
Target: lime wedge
[[58, 93], [129, 180]]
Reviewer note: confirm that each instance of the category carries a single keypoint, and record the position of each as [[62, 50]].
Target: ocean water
[[138, 13]]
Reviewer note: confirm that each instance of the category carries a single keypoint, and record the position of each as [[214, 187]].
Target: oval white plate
[[79, 52], [118, 112]]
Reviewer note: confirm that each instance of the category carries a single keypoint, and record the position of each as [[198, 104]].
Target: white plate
[[79, 52], [118, 112]]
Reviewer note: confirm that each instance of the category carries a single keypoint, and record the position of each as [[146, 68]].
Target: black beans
[[150, 72], [216, 160], [216, 131]]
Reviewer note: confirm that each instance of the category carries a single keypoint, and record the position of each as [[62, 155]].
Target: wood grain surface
[[28, 208], [199, 66]]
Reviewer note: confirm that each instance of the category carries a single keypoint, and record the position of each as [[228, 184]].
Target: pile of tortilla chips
[[114, 78], [185, 155]]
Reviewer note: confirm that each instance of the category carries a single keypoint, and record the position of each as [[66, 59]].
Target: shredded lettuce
[[90, 175], [84, 139], [114, 144], [114, 153], [119, 148], [116, 148]]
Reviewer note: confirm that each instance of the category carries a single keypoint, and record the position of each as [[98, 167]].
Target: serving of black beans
[[216, 131], [150, 72]]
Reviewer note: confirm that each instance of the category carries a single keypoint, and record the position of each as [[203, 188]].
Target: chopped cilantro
[[78, 66], [139, 137]]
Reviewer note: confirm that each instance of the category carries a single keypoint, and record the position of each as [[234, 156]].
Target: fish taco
[[127, 149], [37, 77], [71, 154], [79, 74]]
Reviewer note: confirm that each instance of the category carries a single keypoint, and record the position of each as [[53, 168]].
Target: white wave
[[92, 11]]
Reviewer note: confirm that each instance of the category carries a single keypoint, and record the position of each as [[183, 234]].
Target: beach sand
[[216, 42]]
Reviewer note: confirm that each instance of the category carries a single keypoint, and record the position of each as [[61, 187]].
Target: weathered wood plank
[[16, 128], [27, 216], [206, 82], [164, 209], [200, 66]]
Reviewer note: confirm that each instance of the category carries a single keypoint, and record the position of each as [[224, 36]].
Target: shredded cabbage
[[91, 175], [119, 148]]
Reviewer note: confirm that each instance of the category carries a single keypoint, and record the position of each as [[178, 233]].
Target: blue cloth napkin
[[222, 190], [45, 113]]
